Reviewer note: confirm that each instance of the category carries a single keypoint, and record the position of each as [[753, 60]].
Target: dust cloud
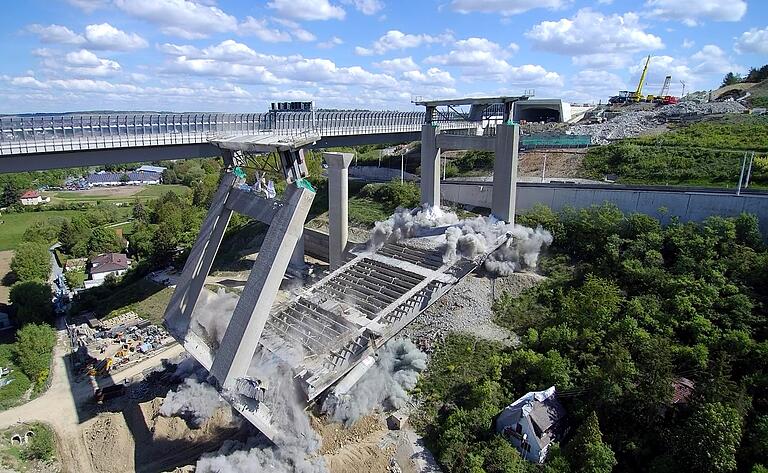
[[385, 385]]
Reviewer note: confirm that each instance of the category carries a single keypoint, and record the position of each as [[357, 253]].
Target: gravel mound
[[633, 124], [467, 308]]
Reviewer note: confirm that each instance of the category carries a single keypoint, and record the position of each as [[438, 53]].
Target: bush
[[31, 261], [43, 445], [34, 346], [393, 194]]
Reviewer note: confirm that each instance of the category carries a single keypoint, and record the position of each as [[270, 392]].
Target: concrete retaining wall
[[687, 205], [379, 174]]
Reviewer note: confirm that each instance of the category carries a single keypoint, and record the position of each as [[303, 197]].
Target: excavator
[[629, 96]]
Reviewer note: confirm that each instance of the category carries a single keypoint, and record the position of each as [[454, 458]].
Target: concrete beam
[[252, 205], [430, 165], [505, 172], [482, 143], [338, 206], [179, 311], [98, 157], [253, 308]]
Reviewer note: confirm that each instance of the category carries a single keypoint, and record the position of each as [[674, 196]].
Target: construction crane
[[636, 95]]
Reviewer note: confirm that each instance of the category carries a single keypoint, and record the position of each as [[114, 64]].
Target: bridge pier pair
[[505, 147]]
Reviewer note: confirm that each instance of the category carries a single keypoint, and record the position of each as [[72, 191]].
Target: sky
[[240, 55]]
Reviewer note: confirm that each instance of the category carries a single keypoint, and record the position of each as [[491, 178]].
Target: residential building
[[532, 423], [102, 266], [32, 197]]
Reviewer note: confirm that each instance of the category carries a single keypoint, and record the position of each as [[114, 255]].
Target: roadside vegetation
[[39, 447], [629, 306], [706, 153]]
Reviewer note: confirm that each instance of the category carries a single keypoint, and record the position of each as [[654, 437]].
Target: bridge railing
[[45, 134]]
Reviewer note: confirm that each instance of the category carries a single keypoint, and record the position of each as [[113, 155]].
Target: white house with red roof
[[102, 266], [32, 197]]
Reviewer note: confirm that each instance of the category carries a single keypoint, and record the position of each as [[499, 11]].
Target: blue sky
[[238, 55]]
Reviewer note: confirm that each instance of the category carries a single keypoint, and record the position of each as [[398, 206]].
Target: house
[[102, 266], [682, 390], [532, 423], [31, 197]]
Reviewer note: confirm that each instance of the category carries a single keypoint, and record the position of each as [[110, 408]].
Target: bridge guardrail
[[45, 134]]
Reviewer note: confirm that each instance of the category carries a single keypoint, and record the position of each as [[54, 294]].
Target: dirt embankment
[[559, 162], [140, 439]]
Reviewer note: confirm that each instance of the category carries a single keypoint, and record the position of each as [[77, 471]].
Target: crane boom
[[639, 92], [665, 87]]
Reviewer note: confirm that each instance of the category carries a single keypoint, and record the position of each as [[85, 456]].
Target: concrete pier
[[338, 206], [505, 172], [430, 165], [252, 311]]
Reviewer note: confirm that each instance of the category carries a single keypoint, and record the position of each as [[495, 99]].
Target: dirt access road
[[58, 406]]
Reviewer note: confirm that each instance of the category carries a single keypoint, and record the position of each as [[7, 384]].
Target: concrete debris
[[631, 124]]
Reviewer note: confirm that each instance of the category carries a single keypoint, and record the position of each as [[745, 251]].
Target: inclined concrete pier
[[338, 206], [430, 165]]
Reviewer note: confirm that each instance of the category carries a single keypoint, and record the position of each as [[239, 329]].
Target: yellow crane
[[629, 96], [638, 95]]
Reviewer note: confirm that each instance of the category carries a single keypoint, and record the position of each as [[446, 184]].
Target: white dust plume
[[467, 238], [385, 385], [193, 400], [296, 442]]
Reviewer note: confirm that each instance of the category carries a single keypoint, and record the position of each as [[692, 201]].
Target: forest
[[629, 306]]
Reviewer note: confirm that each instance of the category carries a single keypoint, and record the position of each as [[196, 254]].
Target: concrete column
[[243, 333], [338, 206], [505, 172], [430, 166]]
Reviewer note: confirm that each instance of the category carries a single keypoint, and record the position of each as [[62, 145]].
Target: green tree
[[44, 232], [74, 236], [707, 440], [33, 348], [10, 195], [31, 261], [140, 212], [731, 79], [32, 301], [74, 278], [502, 457], [124, 178], [104, 240], [587, 452]]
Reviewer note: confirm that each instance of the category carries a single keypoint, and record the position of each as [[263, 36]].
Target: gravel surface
[[467, 308], [632, 124]]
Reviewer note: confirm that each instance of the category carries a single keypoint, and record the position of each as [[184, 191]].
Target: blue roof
[[115, 177]]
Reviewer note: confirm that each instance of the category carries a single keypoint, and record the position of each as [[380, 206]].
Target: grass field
[[115, 194], [152, 308]]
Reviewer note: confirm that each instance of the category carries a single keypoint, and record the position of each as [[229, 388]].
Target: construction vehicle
[[664, 98], [629, 96], [101, 368], [110, 392]]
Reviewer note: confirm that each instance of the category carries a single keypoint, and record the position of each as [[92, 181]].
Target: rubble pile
[[685, 108], [635, 123]]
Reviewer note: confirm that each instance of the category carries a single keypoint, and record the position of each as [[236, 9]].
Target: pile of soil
[[357, 448]]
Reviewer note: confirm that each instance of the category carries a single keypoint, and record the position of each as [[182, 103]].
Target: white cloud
[[713, 60], [478, 56], [183, 18], [659, 68], [432, 76], [260, 29], [99, 36], [296, 30], [505, 7], [106, 36], [753, 41], [687, 43], [395, 40], [331, 43], [591, 32], [691, 13], [307, 10], [366, 7], [84, 63], [592, 85], [56, 34], [88, 6], [398, 64]]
